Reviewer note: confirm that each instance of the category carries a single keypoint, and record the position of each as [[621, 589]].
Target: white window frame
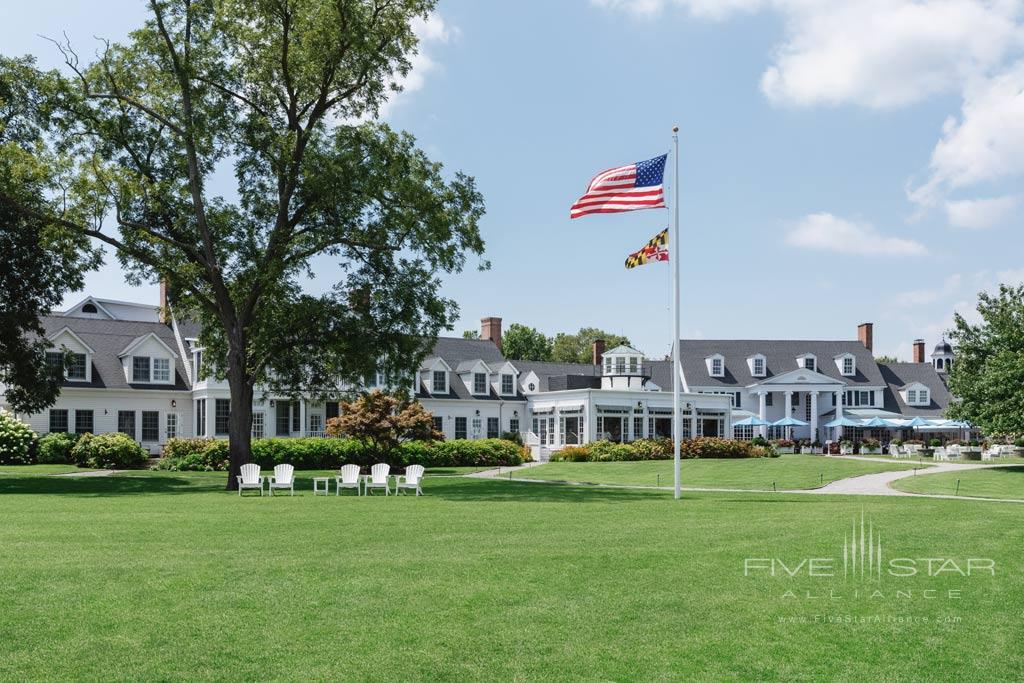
[[480, 386], [511, 379], [754, 363], [717, 367], [853, 366], [171, 426], [433, 381], [259, 424], [161, 378]]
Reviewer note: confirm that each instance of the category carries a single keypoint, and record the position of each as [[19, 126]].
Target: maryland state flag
[[655, 250]]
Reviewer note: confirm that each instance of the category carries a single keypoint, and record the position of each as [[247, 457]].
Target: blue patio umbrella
[[918, 422], [877, 422], [752, 421], [789, 422], [843, 422]]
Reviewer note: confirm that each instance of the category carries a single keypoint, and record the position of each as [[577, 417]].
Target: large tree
[[525, 343], [578, 348], [279, 95], [41, 260], [987, 377]]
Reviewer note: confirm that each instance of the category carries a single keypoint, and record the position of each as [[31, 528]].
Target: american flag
[[624, 188]]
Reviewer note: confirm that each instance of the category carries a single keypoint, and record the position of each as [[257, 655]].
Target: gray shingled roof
[[898, 375], [545, 371], [780, 358], [458, 352], [108, 338]]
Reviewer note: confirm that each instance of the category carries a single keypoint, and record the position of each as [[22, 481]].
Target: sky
[[840, 161]]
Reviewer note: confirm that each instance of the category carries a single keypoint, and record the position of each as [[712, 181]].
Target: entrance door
[[709, 427]]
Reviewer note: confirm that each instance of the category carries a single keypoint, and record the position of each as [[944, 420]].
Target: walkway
[[877, 484]]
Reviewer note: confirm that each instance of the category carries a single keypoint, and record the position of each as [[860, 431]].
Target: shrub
[[17, 441], [935, 443], [652, 449], [196, 455], [108, 451], [870, 443], [609, 451], [478, 452], [514, 437], [571, 454], [783, 443], [711, 447], [1019, 442], [55, 448]]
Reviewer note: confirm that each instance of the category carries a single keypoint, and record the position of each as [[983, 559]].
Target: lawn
[[995, 482], [163, 576], [785, 472]]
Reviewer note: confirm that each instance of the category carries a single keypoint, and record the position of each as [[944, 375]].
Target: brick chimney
[[866, 335], [490, 328], [598, 351], [164, 310], [919, 350]]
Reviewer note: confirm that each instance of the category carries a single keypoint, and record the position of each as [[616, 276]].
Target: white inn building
[[135, 374]]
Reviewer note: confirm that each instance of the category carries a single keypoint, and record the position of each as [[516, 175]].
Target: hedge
[[661, 449], [317, 453], [17, 441], [55, 448], [108, 451]]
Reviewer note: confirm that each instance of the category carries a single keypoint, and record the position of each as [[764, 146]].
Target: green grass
[[34, 470], [163, 576], [995, 482], [787, 471]]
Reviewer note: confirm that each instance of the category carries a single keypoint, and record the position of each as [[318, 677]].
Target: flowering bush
[[661, 449], [17, 441]]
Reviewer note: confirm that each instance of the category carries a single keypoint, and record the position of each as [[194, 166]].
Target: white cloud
[[825, 232], [920, 297], [885, 53], [430, 31], [978, 214], [711, 9]]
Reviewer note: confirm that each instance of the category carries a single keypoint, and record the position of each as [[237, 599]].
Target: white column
[[789, 404], [762, 397], [814, 415], [302, 417], [839, 404]]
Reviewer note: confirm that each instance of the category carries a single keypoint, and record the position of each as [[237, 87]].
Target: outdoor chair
[[378, 478], [410, 480], [250, 478], [283, 478], [348, 479], [941, 454]]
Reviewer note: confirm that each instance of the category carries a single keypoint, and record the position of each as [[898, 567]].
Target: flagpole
[[677, 417]]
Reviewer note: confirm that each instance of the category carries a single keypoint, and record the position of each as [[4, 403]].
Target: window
[[316, 424], [513, 425], [439, 424], [84, 422], [738, 400], [76, 368], [221, 416], [759, 367], [493, 428], [638, 427], [89, 308], [479, 383], [55, 361], [796, 398], [172, 426], [126, 422], [296, 417], [848, 366], [912, 396], [259, 424], [810, 364], [633, 365], [201, 417], [150, 425], [140, 368], [283, 418], [161, 369], [508, 384], [59, 420], [477, 426], [866, 398], [607, 366], [460, 428], [440, 381], [768, 399], [716, 367], [807, 411], [197, 365], [620, 365], [331, 408], [922, 396]]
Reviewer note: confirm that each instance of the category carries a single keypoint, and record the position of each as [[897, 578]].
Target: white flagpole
[[677, 417]]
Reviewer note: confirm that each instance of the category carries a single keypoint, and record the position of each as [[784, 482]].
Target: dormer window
[[508, 384], [849, 366], [140, 369], [758, 365], [479, 383], [716, 365], [918, 396], [809, 363], [89, 308], [161, 369], [76, 369], [439, 383]]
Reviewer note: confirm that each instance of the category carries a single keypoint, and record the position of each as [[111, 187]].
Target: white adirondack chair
[[378, 478], [411, 479], [347, 479], [283, 478], [250, 478], [940, 453]]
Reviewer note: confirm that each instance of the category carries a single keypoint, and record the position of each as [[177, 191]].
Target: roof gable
[[801, 376], [139, 341], [69, 332]]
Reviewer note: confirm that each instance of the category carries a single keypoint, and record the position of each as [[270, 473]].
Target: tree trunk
[[240, 422]]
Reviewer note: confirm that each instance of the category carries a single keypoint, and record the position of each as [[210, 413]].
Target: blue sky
[[841, 162]]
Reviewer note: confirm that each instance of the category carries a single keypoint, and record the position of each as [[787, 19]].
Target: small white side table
[[317, 481]]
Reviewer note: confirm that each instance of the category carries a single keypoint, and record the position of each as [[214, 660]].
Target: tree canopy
[[578, 348], [988, 374], [384, 420], [281, 96], [520, 342]]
